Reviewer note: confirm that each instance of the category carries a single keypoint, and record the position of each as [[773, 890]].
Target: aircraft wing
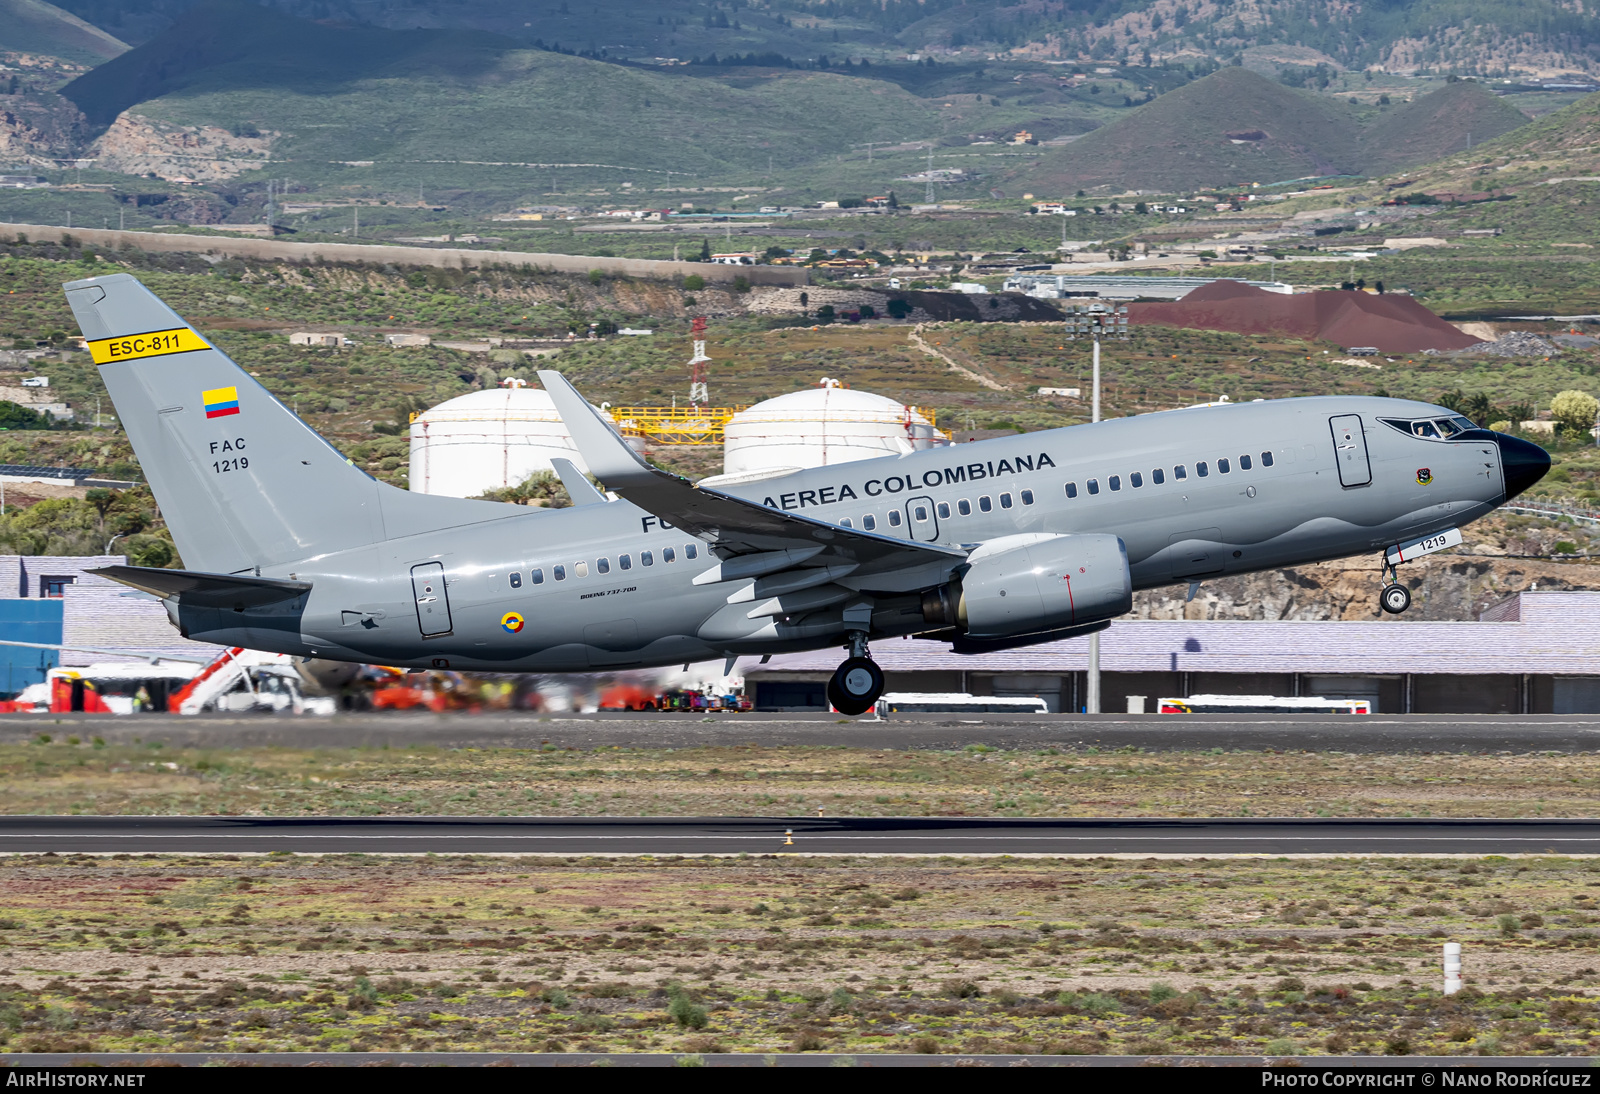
[[732, 525]]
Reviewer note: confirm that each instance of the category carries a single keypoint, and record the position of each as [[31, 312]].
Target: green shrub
[[687, 1013], [694, 283]]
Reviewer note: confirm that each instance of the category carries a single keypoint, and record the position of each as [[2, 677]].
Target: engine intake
[[1037, 582]]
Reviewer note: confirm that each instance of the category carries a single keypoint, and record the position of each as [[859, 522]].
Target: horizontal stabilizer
[[235, 591]]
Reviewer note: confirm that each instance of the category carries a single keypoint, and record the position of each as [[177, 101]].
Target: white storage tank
[[824, 425], [487, 440]]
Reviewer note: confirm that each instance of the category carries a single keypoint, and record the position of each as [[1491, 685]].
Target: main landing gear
[[858, 682], [1395, 597]]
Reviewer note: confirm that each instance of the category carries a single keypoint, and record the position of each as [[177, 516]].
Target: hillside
[[1565, 143], [33, 26], [409, 104], [1455, 117], [1234, 126], [1532, 38]]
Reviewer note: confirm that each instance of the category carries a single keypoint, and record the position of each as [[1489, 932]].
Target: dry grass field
[[67, 775], [774, 953]]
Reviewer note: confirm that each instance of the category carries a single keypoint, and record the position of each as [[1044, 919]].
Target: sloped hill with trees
[[1459, 116], [33, 26], [1234, 126]]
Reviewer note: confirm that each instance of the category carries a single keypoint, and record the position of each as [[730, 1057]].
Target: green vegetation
[[32, 26], [1238, 127]]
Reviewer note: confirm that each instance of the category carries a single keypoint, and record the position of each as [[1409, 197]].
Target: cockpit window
[[1432, 429]]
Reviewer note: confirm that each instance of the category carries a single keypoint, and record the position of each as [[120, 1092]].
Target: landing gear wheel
[[1394, 599], [855, 686]]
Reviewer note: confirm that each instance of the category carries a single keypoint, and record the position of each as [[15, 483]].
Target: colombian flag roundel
[[512, 622]]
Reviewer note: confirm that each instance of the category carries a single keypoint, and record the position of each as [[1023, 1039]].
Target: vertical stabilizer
[[243, 482]]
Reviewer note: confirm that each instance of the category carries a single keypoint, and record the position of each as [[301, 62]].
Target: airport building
[[1534, 653], [55, 599]]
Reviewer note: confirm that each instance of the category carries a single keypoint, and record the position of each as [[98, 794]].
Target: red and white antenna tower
[[699, 392]]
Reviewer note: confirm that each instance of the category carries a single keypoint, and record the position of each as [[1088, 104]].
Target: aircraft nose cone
[[1522, 462]]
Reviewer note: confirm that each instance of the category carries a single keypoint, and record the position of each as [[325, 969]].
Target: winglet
[[579, 489], [609, 458]]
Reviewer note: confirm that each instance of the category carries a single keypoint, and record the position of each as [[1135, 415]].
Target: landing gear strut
[[1395, 597], [858, 682]]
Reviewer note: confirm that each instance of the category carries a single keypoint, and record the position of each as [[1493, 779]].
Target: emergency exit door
[[1350, 450], [433, 603]]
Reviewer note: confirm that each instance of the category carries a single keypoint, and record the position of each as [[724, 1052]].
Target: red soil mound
[[1393, 324]]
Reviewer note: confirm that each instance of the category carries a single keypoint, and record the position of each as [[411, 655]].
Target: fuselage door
[[433, 603], [1350, 450], [924, 522]]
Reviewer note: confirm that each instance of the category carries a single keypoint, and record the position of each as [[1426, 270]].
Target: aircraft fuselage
[[1194, 494]]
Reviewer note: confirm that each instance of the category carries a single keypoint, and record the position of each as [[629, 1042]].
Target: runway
[[1370, 734], [920, 836]]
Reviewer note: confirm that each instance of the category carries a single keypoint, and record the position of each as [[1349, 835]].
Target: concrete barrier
[[278, 250]]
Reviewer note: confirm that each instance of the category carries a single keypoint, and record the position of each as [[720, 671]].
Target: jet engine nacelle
[[1037, 582]]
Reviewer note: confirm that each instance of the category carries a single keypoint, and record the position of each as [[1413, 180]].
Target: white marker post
[[1452, 967]]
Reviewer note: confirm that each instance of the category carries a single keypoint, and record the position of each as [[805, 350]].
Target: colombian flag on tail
[[220, 401]]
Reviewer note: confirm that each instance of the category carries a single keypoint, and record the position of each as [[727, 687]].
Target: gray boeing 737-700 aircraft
[[992, 544]]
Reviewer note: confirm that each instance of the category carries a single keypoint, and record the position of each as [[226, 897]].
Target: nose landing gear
[[1394, 597], [856, 684]]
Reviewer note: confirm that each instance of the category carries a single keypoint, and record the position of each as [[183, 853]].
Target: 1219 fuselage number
[[240, 464]]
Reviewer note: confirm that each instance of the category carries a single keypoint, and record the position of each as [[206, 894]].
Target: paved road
[[797, 835], [1373, 734]]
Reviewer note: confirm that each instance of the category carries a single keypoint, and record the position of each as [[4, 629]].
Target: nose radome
[[1523, 463]]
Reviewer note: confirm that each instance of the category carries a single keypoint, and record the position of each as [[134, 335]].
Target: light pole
[[112, 540], [1095, 321]]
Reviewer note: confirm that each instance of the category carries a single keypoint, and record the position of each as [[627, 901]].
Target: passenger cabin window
[[1244, 462], [894, 518], [1094, 486], [603, 565], [869, 522], [1027, 497], [1266, 459], [560, 572], [1180, 472], [943, 509], [1136, 480], [845, 522], [625, 561], [537, 575], [516, 579], [964, 507], [647, 558], [985, 503], [1072, 489], [668, 555], [1005, 501], [1158, 476], [920, 513], [690, 550], [580, 569], [1201, 470], [1222, 466], [1116, 482]]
